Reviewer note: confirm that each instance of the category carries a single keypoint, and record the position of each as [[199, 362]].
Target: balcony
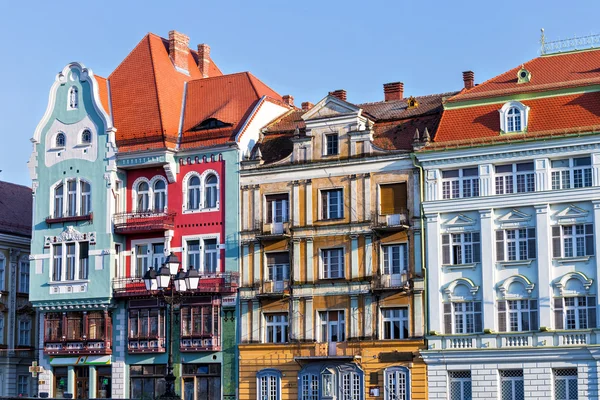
[[146, 345], [515, 340], [51, 219], [390, 222], [80, 346], [144, 221], [200, 343], [226, 282], [272, 231], [331, 351], [274, 289], [395, 282]]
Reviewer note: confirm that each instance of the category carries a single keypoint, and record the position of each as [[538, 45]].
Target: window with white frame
[[276, 328], [397, 383], [571, 173], [333, 263], [460, 385], [143, 197], [331, 144], [73, 98], [158, 255], [201, 192], [211, 190], [395, 323], [462, 317], [70, 261], [23, 386], [351, 387], [203, 254], [333, 326], [512, 386], [332, 204], [515, 178], [565, 384], [515, 244], [2, 271], [572, 240], [71, 198], [24, 332], [278, 267], [513, 120], [160, 195], [193, 254], [142, 260], [457, 183], [395, 258], [577, 312], [461, 248], [60, 140], [277, 208], [86, 198], [58, 200], [193, 193], [150, 195], [86, 136], [210, 256], [268, 384], [517, 315], [514, 117]]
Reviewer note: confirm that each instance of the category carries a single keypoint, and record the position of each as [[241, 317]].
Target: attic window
[[412, 102], [514, 117], [73, 98], [523, 75], [210, 123]]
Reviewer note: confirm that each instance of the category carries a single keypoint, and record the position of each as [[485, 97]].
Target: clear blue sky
[[304, 48]]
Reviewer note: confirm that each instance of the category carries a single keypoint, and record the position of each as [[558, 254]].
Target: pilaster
[[367, 195], [542, 175], [308, 202], [256, 208], [244, 321], [354, 317], [255, 321], [308, 319], [354, 257], [296, 203], [434, 253], [245, 210], [309, 260], [487, 268], [353, 199], [368, 255], [544, 254], [256, 262], [296, 260], [296, 334], [486, 188]]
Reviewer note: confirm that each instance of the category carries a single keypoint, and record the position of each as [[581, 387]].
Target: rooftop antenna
[[543, 42]]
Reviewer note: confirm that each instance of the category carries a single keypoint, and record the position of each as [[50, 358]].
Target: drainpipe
[[422, 219]]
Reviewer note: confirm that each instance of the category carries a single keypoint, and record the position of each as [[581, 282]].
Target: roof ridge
[[250, 76], [160, 117], [219, 76], [406, 98]]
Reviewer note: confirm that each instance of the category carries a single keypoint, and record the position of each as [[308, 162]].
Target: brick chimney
[[469, 79], [288, 99], [340, 94], [178, 49], [393, 91], [307, 105], [204, 59]]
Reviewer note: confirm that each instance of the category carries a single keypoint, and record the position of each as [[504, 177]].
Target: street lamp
[[172, 276]]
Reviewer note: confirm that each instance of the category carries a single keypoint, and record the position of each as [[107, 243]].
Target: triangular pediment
[[571, 212], [460, 220], [514, 216], [329, 107]]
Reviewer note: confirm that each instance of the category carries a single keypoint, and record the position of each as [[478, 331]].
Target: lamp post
[[171, 276]]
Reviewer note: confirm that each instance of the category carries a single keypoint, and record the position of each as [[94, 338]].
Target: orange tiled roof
[[547, 73], [103, 92]]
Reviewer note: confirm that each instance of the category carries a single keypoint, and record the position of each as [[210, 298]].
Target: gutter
[[423, 252]]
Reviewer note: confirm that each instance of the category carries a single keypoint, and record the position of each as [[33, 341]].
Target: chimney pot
[[307, 105], [393, 91], [178, 49], [469, 79], [204, 59], [288, 99], [340, 94]]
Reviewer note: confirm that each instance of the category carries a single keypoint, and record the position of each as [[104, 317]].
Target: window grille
[[511, 385], [460, 385], [565, 384]]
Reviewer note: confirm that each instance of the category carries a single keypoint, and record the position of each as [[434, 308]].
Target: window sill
[[82, 145], [202, 210], [331, 219], [460, 266], [75, 218], [73, 282], [565, 260], [515, 263]]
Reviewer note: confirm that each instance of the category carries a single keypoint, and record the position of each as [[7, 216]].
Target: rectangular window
[[565, 384], [23, 386], [210, 256], [158, 255], [460, 385], [24, 333], [53, 331], [276, 325], [193, 254], [278, 268], [86, 198], [515, 178], [462, 317], [200, 321], [512, 386], [268, 387], [146, 323], [333, 263], [572, 240], [515, 244], [23, 276], [141, 260], [571, 173], [517, 315], [461, 248], [84, 265], [331, 143], [458, 183], [395, 259], [277, 208], [96, 326], [57, 262], [70, 261], [577, 312], [395, 323], [332, 204], [146, 381], [310, 387], [393, 198], [72, 198], [74, 326], [333, 326]]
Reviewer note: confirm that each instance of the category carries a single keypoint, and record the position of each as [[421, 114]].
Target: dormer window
[[210, 123], [86, 137], [60, 140], [513, 117], [73, 98]]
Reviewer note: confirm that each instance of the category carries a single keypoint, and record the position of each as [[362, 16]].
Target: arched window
[[86, 198], [513, 120], [143, 194], [397, 383], [58, 201], [61, 140], [268, 384], [194, 193], [210, 191], [160, 195], [86, 137], [73, 98]]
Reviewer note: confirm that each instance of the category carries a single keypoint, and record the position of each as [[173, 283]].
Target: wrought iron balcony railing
[[225, 282], [274, 289], [144, 221], [390, 222]]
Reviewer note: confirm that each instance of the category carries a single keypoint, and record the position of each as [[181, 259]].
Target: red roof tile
[[103, 92], [15, 209]]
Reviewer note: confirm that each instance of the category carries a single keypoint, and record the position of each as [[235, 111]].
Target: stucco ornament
[[70, 234]]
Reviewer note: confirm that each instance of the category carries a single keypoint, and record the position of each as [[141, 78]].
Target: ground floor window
[[104, 379], [565, 384], [512, 385], [147, 381], [460, 385], [60, 382], [326, 381], [268, 384], [23, 386], [201, 381], [397, 383]]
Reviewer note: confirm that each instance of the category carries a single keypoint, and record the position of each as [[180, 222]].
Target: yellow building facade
[[332, 302]]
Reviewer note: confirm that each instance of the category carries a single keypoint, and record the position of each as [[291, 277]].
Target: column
[[353, 317], [432, 185], [487, 286], [368, 255], [245, 267], [256, 209], [417, 252], [256, 263], [544, 254], [367, 195], [255, 321], [309, 260], [296, 335], [354, 257], [595, 169], [244, 322], [92, 382], [309, 202], [308, 319], [542, 175], [71, 380], [353, 199], [245, 208], [596, 205], [296, 260], [418, 314], [296, 203], [434, 253], [485, 180], [368, 320]]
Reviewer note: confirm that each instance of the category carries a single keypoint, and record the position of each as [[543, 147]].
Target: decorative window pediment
[[461, 289], [516, 287], [514, 217], [70, 234], [331, 106], [574, 283], [514, 117], [459, 221], [571, 214]]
